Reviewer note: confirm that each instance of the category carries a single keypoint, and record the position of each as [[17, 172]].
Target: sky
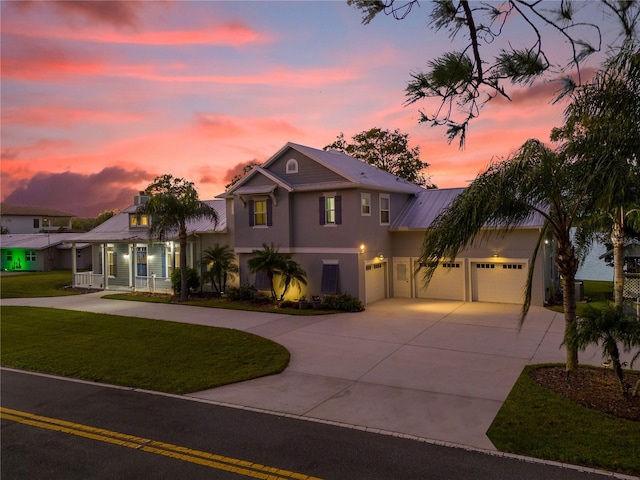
[[99, 98]]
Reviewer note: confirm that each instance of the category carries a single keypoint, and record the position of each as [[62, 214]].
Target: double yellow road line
[[211, 460]]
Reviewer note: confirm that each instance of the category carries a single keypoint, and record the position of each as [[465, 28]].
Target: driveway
[[432, 369]]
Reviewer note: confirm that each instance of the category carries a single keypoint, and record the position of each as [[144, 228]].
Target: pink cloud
[[53, 115]]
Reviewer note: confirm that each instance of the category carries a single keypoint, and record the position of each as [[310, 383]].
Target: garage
[[374, 282], [447, 282], [498, 282]]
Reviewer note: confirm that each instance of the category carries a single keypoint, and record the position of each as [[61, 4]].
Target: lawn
[[597, 293], [35, 284], [537, 422], [134, 352]]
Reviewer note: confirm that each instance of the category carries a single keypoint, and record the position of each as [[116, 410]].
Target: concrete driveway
[[432, 369]]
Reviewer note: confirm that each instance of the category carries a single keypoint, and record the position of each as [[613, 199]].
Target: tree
[[602, 126], [173, 202], [387, 150], [465, 80], [223, 265], [611, 327], [236, 178], [535, 181], [272, 262], [104, 216], [291, 274]]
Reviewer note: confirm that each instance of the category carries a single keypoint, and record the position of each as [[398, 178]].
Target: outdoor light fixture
[[362, 248], [380, 256]]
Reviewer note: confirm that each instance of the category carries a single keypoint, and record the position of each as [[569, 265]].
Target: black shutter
[[338, 209], [321, 210], [251, 214], [269, 212]]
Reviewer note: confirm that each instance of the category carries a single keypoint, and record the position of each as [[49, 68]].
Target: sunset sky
[[98, 98]]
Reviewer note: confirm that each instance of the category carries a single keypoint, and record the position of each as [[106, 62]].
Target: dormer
[[137, 220]]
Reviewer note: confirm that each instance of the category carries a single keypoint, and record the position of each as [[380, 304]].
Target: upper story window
[[365, 204], [385, 209], [292, 166], [138, 221], [260, 212], [330, 209]]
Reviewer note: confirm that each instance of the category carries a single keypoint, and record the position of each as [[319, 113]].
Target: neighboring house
[[631, 268], [125, 258], [19, 219], [42, 252], [352, 227]]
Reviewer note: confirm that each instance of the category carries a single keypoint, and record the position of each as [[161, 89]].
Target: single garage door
[[498, 282], [374, 282], [447, 282]]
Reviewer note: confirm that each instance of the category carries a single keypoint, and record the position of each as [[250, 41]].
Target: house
[[125, 258], [41, 252], [631, 268], [352, 227], [20, 219]]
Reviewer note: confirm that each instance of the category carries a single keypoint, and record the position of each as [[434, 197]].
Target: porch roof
[[38, 241]]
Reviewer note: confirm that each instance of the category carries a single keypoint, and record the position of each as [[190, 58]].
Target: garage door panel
[[374, 282], [498, 282], [447, 282]]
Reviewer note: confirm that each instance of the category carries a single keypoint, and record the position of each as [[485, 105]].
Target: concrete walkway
[[432, 369]]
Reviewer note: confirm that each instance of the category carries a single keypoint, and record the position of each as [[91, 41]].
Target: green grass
[[537, 422], [35, 284], [134, 352], [597, 293], [219, 303]]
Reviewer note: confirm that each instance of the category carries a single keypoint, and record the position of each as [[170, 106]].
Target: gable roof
[[19, 210], [116, 228], [354, 171], [422, 210]]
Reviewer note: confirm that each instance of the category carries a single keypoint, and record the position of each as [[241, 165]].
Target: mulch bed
[[593, 388]]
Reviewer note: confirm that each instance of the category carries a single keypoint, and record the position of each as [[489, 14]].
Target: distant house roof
[[17, 210], [421, 211], [354, 171], [117, 229], [38, 241], [631, 249]]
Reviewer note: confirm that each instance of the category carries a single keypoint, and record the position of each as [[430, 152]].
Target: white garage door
[[498, 282], [374, 282], [447, 282]]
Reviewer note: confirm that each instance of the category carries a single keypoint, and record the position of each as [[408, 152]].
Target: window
[[9, 256], [30, 255], [329, 278], [260, 212], [36, 223], [173, 259], [330, 209], [141, 261], [111, 261], [292, 166], [138, 221], [385, 203], [46, 222], [365, 204]]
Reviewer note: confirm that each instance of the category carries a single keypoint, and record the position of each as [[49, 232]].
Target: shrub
[[243, 293], [193, 280], [344, 302]]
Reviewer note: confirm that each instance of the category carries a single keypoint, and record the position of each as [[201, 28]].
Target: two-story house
[[352, 227]]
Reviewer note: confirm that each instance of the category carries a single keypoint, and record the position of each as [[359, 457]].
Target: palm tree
[[602, 129], [291, 274], [535, 181], [173, 202], [270, 261], [223, 266], [609, 326]]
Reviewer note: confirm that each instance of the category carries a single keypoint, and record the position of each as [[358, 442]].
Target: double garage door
[[490, 282]]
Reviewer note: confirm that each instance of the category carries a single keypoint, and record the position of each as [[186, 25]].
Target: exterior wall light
[[362, 248]]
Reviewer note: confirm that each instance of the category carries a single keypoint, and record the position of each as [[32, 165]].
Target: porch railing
[[153, 284], [88, 280]]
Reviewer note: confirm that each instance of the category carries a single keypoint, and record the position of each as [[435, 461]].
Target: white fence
[[153, 284], [88, 280]]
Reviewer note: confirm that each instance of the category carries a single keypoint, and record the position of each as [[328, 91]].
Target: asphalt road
[[56, 428]]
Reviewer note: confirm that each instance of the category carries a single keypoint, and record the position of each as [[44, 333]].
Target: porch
[[151, 283]]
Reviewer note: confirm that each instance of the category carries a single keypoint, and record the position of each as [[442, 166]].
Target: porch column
[[132, 262], [74, 266], [105, 266]]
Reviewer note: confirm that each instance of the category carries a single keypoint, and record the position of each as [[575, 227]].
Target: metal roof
[[116, 228], [421, 211], [18, 210], [38, 241]]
